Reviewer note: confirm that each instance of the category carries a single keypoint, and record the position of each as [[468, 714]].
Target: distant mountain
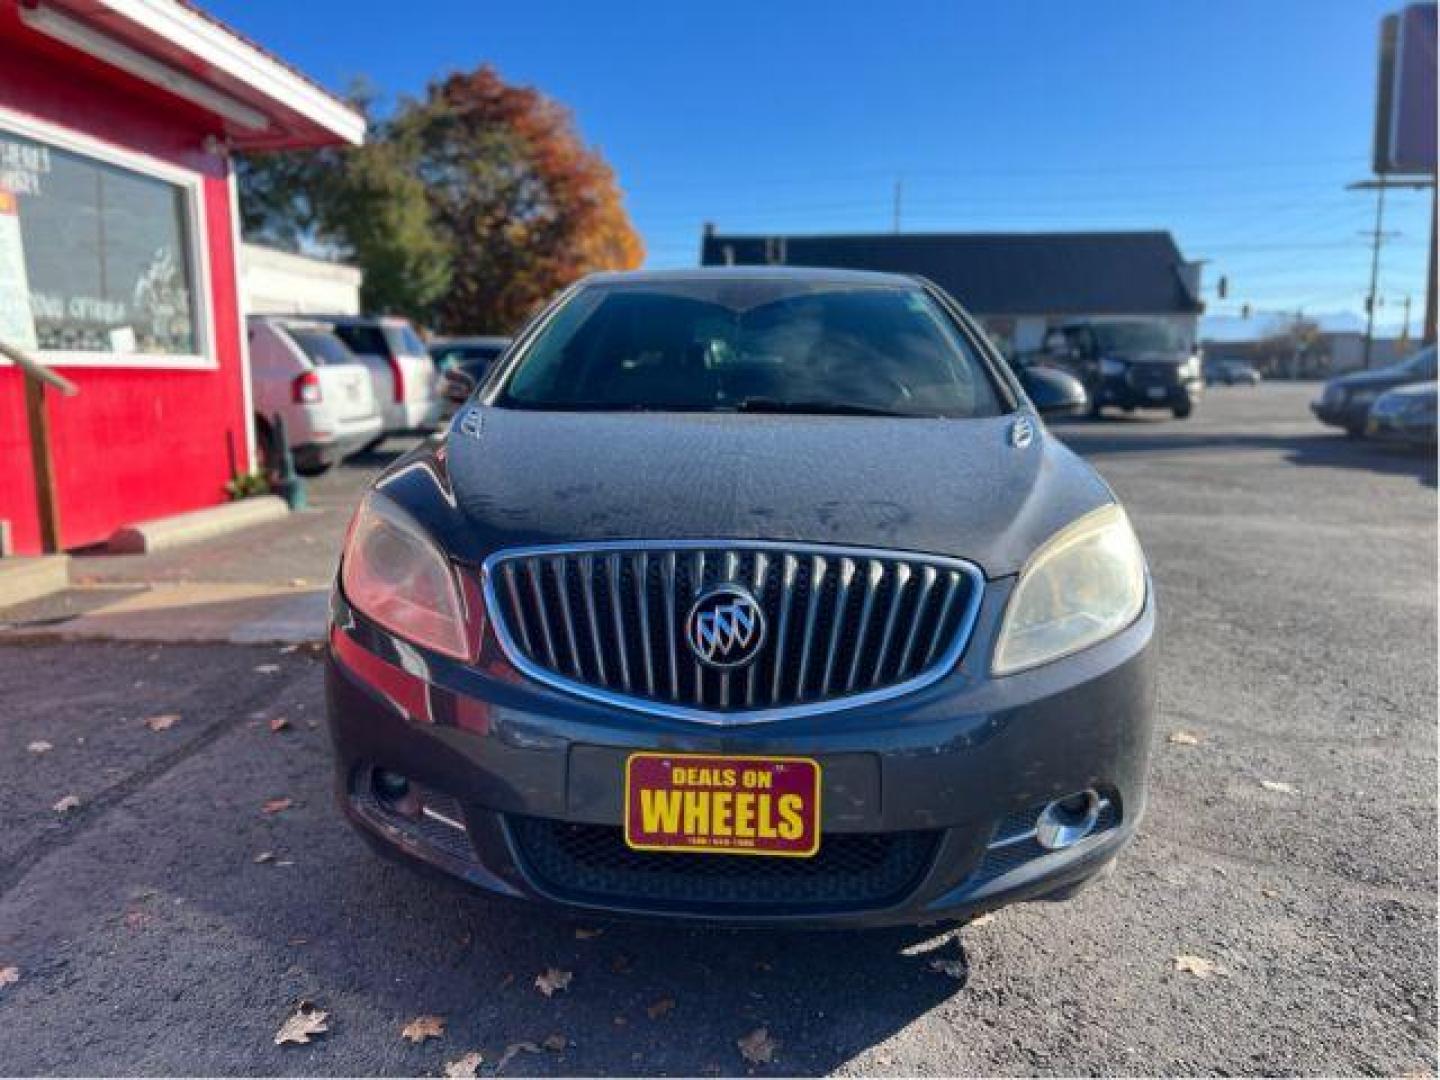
[[1264, 323]]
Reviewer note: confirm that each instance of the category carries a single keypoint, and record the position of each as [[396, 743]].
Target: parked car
[[400, 367], [1406, 414], [301, 371], [1346, 400], [1130, 364], [747, 594], [463, 363], [1229, 372]]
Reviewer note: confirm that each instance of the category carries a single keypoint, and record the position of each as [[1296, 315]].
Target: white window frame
[[192, 184]]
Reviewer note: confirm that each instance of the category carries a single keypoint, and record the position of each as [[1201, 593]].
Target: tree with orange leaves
[[515, 205]]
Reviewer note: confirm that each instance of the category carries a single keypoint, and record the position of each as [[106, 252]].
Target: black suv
[[1130, 364]]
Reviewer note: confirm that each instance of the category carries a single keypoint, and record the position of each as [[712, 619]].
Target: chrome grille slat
[[789, 567], [874, 571], [837, 622], [897, 597], [640, 570], [562, 586], [841, 626], [617, 612], [532, 568]]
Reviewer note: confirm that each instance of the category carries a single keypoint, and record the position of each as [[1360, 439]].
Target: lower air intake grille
[[850, 871]]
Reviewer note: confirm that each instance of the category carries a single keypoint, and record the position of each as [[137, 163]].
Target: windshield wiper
[[818, 408]]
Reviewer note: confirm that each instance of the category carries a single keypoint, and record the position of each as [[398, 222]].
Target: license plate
[[722, 804], [1157, 392]]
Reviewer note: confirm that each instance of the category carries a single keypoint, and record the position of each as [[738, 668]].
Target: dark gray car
[[750, 596]]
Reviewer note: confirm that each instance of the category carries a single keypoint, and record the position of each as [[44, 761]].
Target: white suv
[[400, 369], [300, 370]]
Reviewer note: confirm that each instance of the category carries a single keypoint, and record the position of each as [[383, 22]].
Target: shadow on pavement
[[1321, 448]]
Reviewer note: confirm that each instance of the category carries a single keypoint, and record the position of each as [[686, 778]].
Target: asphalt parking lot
[[169, 923]]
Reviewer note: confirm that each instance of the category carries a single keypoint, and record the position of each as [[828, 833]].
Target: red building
[[119, 243]]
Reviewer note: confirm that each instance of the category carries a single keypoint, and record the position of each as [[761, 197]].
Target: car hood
[[1379, 379], [950, 487]]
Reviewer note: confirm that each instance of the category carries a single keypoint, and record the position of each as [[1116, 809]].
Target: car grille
[[1143, 376], [840, 624], [591, 862]]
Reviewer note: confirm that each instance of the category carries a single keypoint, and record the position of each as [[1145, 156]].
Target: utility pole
[[899, 194], [1405, 327], [1379, 185], [1376, 241]]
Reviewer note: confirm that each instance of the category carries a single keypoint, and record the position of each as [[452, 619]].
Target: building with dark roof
[[1017, 284]]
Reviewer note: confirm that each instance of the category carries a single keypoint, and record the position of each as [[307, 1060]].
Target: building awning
[[258, 101]]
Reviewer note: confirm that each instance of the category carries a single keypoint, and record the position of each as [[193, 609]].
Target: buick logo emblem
[[725, 627]]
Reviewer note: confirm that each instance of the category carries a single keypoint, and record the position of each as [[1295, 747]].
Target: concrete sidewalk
[[198, 612]]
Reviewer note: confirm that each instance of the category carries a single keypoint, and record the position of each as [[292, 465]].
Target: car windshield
[[321, 346], [1422, 364], [1137, 337], [752, 345]]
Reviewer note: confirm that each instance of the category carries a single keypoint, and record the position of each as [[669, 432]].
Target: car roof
[[810, 275], [479, 339]]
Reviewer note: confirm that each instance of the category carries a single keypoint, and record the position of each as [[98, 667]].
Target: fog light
[[390, 786], [1067, 821]]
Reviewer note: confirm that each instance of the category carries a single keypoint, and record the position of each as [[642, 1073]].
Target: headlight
[[1110, 366], [1190, 369], [1087, 583], [394, 574]]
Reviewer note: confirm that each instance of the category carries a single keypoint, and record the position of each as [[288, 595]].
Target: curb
[[24, 579], [159, 534]]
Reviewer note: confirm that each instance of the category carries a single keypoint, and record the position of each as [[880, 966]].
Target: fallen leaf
[[1184, 738], [512, 1050], [956, 969], [555, 1043], [1269, 894], [40, 746], [466, 1065], [266, 669], [9, 976], [265, 856], [758, 1047], [422, 1028], [274, 806], [67, 804], [660, 1008], [552, 979], [981, 920], [136, 920], [1278, 785], [279, 723], [306, 1021], [162, 723], [1198, 966], [582, 934]]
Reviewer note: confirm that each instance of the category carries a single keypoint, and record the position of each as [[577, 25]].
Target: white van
[[300, 370]]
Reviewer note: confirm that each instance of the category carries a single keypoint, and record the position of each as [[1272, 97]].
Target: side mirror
[[1053, 393], [459, 385]]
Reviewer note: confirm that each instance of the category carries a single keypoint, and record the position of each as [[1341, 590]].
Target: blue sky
[[1236, 125]]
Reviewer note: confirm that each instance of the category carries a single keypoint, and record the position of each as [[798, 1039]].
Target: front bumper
[[1418, 430], [1350, 415], [940, 776], [1140, 390]]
